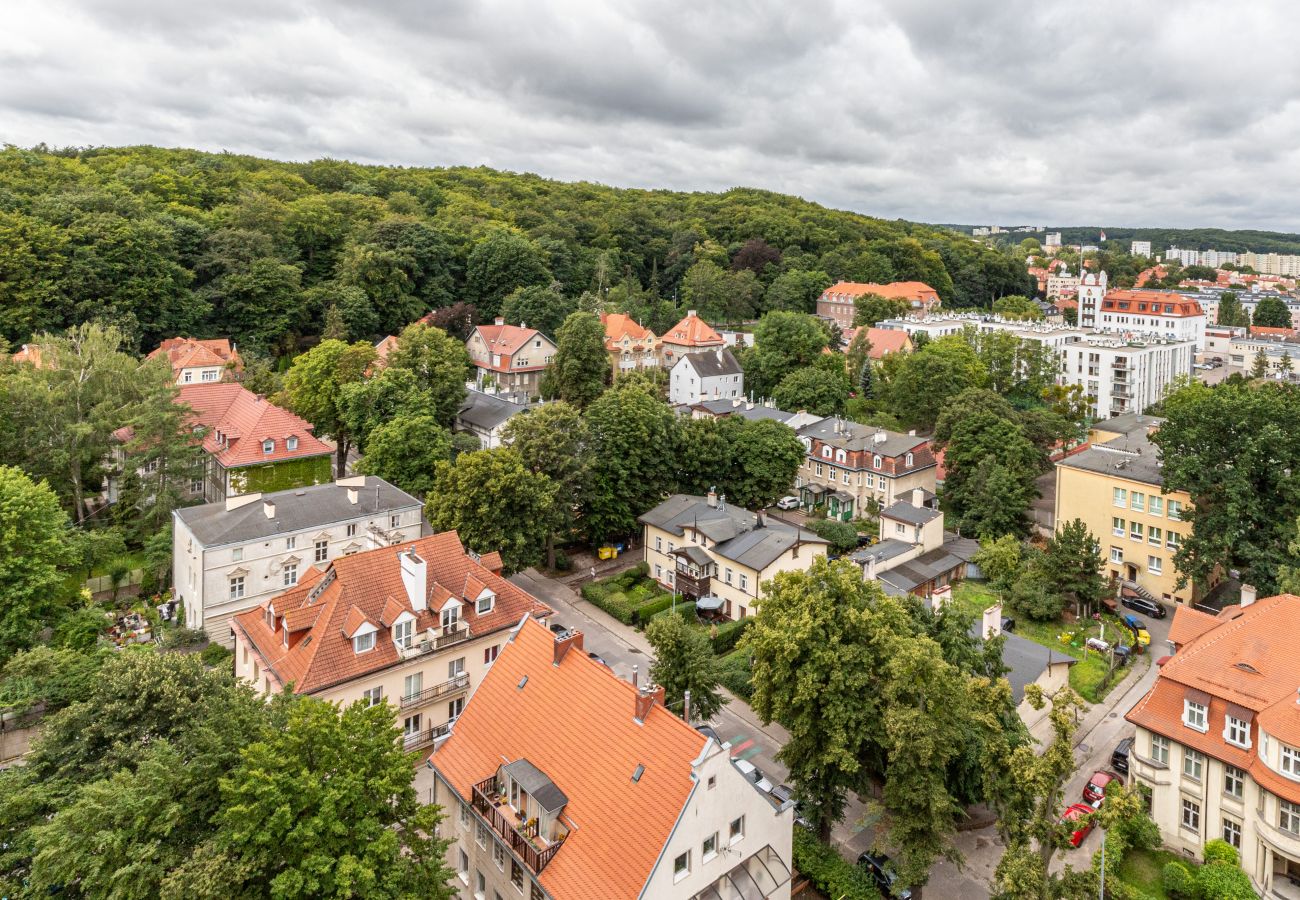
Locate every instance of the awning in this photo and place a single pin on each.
(757, 878)
(695, 554)
(709, 603)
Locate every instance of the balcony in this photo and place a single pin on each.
(437, 638)
(525, 842)
(695, 586)
(446, 688)
(425, 736)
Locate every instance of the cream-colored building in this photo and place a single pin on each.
(852, 469)
(1217, 746)
(1116, 487)
(704, 548)
(415, 625)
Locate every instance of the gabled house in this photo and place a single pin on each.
(853, 469)
(562, 782)
(200, 361)
(631, 346)
(706, 376)
(691, 335)
(416, 625)
(915, 555)
(837, 302)
(511, 357)
(485, 416)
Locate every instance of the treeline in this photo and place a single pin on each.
(163, 242)
(1163, 238)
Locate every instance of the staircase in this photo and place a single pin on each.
(1138, 589)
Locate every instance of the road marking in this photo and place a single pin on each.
(743, 747)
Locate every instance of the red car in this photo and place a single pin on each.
(1079, 812)
(1096, 787)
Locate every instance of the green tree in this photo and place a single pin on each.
(985, 450)
(858, 353)
(491, 499)
(1271, 312)
(440, 364)
(843, 537)
(926, 380)
(1284, 364)
(405, 451)
(499, 264)
(995, 499)
(1259, 368)
(784, 342)
(820, 391)
(33, 544)
(684, 661)
(365, 405)
(260, 302)
(1231, 311)
(31, 265)
(56, 678)
(764, 456)
(553, 440)
(314, 386)
(543, 308)
(796, 290)
(580, 370)
(632, 434)
(1072, 563)
(872, 309)
(1015, 306)
(704, 289)
(1000, 561)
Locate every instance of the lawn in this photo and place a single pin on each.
(1143, 869)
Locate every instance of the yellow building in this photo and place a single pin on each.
(1116, 487)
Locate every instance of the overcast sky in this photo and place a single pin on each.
(1138, 112)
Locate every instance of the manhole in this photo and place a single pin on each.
(1113, 716)
(635, 650)
(1084, 748)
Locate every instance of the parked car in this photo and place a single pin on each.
(709, 731)
(557, 628)
(1078, 815)
(881, 870)
(1119, 758)
(1143, 605)
(754, 774)
(788, 503)
(1095, 790)
(1008, 623)
(1097, 644)
(597, 657)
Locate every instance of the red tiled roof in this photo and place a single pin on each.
(619, 325)
(184, 353)
(896, 290)
(1265, 331)
(1189, 624)
(30, 353)
(575, 721)
(887, 340)
(382, 350)
(361, 589)
(1155, 301)
(507, 340)
(491, 561)
(238, 421)
(692, 331)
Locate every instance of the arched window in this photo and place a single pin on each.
(908, 461)
(826, 452)
(875, 461)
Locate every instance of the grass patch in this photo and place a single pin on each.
(1143, 870)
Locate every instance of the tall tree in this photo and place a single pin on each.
(859, 352)
(684, 661)
(501, 263)
(543, 308)
(1015, 306)
(631, 468)
(871, 309)
(784, 342)
(405, 451)
(926, 380)
(1271, 312)
(314, 386)
(796, 290)
(440, 364)
(553, 440)
(580, 370)
(1231, 311)
(1259, 367)
(1072, 561)
(34, 542)
(820, 391)
(365, 405)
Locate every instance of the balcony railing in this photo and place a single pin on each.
(436, 638)
(426, 736)
(452, 686)
(519, 840)
(691, 585)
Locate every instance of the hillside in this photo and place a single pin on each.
(162, 242)
(1163, 238)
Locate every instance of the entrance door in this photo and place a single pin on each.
(1131, 571)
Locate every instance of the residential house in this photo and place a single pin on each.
(252, 444)
(510, 357)
(703, 548)
(705, 376)
(383, 349)
(747, 409)
(1281, 356)
(1028, 662)
(485, 415)
(837, 302)
(691, 335)
(1217, 748)
(200, 361)
(631, 347)
(914, 554)
(1116, 487)
(417, 625)
(1061, 285)
(231, 556)
(562, 782)
(852, 469)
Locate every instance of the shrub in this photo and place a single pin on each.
(615, 603)
(829, 872)
(184, 637)
(1220, 851)
(1223, 881)
(1177, 879)
(843, 537)
(216, 656)
(643, 612)
(728, 635)
(737, 676)
(562, 561)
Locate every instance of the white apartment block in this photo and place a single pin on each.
(710, 375)
(1124, 376)
(1139, 248)
(1052, 239)
(1143, 313)
(231, 556)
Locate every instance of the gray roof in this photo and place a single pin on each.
(915, 572)
(1132, 456)
(296, 509)
(743, 409)
(854, 436)
(713, 363)
(732, 531)
(914, 515)
(538, 785)
(487, 411)
(885, 550)
(1026, 659)
(1128, 423)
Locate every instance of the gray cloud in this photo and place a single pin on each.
(1156, 113)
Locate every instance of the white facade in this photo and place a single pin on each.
(1052, 239)
(1139, 248)
(1122, 377)
(216, 580)
(1092, 290)
(697, 377)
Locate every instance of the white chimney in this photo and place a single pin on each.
(415, 572)
(880, 437)
(869, 570)
(711, 497)
(690, 314)
(992, 624)
(918, 498)
(352, 496)
(1248, 595)
(268, 507)
(499, 320)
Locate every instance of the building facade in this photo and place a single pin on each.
(1158, 314)
(563, 782)
(200, 361)
(691, 335)
(1121, 376)
(705, 376)
(231, 556)
(852, 469)
(1139, 248)
(914, 554)
(837, 302)
(509, 357)
(631, 346)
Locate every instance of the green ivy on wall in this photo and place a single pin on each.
(281, 476)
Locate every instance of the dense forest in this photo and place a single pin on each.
(1163, 238)
(161, 242)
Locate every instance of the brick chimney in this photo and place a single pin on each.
(563, 643)
(646, 698)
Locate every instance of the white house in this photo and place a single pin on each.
(712, 375)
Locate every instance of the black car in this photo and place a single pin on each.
(1143, 605)
(557, 628)
(709, 731)
(881, 871)
(598, 658)
(1008, 623)
(1119, 759)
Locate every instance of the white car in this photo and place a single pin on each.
(753, 774)
(788, 503)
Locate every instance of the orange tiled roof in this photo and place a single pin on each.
(1156, 301)
(238, 421)
(1265, 331)
(185, 353)
(507, 340)
(692, 331)
(887, 340)
(491, 561)
(896, 290)
(1245, 658)
(383, 349)
(1189, 624)
(361, 589)
(574, 721)
(619, 326)
(30, 353)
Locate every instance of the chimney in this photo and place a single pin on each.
(564, 642)
(690, 314)
(992, 623)
(869, 569)
(352, 496)
(268, 507)
(635, 675)
(758, 520)
(241, 500)
(736, 402)
(712, 497)
(1248, 595)
(646, 699)
(415, 578)
(499, 320)
(918, 498)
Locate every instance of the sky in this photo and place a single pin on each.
(1141, 112)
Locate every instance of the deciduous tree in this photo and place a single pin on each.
(553, 440)
(405, 451)
(684, 661)
(439, 363)
(632, 436)
(314, 386)
(33, 545)
(580, 370)
(818, 390)
(543, 308)
(871, 309)
(1271, 312)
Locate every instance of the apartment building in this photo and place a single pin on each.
(200, 361)
(631, 346)
(837, 302)
(1050, 334)
(510, 357)
(719, 555)
(1120, 376)
(562, 782)
(1217, 747)
(1116, 487)
(486, 415)
(1139, 248)
(1281, 357)
(231, 556)
(1158, 314)
(1061, 285)
(852, 469)
(691, 335)
(416, 625)
(706, 376)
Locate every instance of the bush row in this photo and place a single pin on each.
(728, 635)
(736, 675)
(829, 872)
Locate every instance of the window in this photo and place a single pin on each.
(363, 642)
(237, 587)
(187, 376)
(1137, 501)
(1135, 530)
(322, 549)
(819, 470)
(1235, 731)
(1191, 815)
(454, 709)
(1232, 833)
(712, 782)
(373, 696)
(1193, 763)
(268, 446)
(1233, 779)
(1116, 555)
(744, 581)
(517, 875)
(1160, 749)
(1154, 536)
(464, 807)
(196, 485)
(290, 574)
(480, 884)
(659, 544)
(450, 618)
(484, 604)
(844, 477)
(682, 866)
(875, 461)
(1120, 497)
(237, 554)
(456, 667)
(1155, 505)
(499, 855)
(462, 865)
(490, 654)
(1171, 539)
(826, 452)
(1289, 817)
(1290, 761)
(291, 443)
(1194, 715)
(1117, 526)
(1175, 510)
(412, 685)
(291, 543)
(737, 830)
(402, 633)
(1155, 565)
(394, 520)
(710, 848)
(352, 530)
(659, 572)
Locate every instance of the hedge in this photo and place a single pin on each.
(613, 602)
(728, 635)
(829, 872)
(736, 675)
(645, 611)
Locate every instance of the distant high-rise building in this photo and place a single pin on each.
(1052, 239)
(1140, 248)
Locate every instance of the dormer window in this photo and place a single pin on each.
(450, 617)
(402, 633)
(270, 618)
(1194, 715)
(485, 602)
(291, 443)
(840, 456)
(907, 460)
(363, 642)
(268, 446)
(826, 452)
(875, 461)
